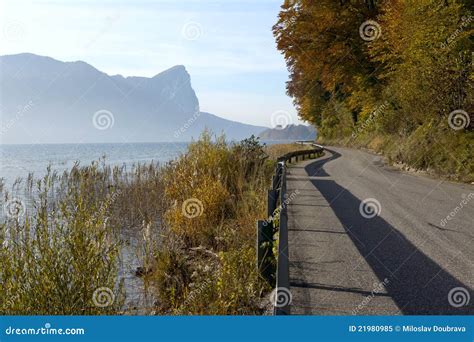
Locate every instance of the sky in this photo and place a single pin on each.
(227, 46)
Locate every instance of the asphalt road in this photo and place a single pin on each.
(394, 255)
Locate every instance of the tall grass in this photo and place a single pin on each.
(438, 150)
(195, 216)
(207, 263)
(54, 259)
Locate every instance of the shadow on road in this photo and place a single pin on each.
(316, 169)
(417, 284)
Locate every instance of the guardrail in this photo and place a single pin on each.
(277, 224)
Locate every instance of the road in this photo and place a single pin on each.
(400, 258)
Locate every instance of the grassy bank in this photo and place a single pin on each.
(438, 150)
(61, 238)
(215, 193)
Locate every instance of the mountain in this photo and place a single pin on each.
(43, 100)
(290, 132)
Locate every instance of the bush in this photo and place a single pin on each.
(197, 216)
(215, 193)
(62, 260)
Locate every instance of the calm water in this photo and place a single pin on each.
(18, 160)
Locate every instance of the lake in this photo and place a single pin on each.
(18, 160)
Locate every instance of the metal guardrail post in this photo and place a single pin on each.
(266, 229)
(265, 250)
(283, 264)
(277, 197)
(260, 240)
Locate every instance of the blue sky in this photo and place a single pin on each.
(226, 45)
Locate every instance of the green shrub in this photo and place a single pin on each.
(63, 259)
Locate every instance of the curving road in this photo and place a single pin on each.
(345, 259)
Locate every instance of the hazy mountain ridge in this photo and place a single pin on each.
(43, 100)
(290, 132)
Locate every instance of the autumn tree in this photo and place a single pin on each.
(389, 71)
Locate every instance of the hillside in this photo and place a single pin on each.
(290, 132)
(365, 80)
(44, 100)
